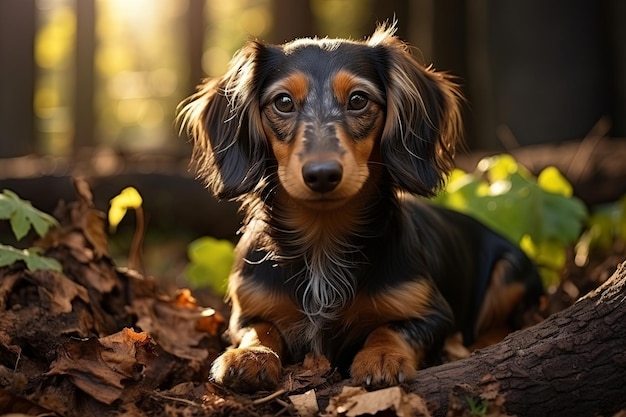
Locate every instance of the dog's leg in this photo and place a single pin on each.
(387, 358)
(393, 353)
(503, 296)
(255, 364)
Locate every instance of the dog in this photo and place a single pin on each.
(331, 146)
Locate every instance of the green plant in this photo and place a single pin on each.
(22, 217)
(477, 406)
(606, 226)
(129, 198)
(210, 263)
(540, 214)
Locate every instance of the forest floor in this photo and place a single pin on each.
(104, 340)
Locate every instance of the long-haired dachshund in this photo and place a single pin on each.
(327, 142)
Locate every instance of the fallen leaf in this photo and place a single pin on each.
(57, 292)
(184, 299)
(465, 398)
(6, 287)
(305, 404)
(95, 234)
(98, 367)
(99, 275)
(353, 402)
(83, 190)
(210, 322)
(178, 330)
(91, 221)
(313, 372)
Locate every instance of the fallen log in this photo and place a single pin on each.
(571, 364)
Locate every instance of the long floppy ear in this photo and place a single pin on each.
(222, 119)
(423, 122)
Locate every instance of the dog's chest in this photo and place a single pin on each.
(322, 294)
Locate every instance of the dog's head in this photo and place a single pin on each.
(321, 115)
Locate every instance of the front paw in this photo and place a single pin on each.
(247, 369)
(381, 366)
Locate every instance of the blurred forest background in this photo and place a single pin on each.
(90, 87)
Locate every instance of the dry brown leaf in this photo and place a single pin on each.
(305, 404)
(314, 371)
(7, 283)
(210, 321)
(353, 402)
(98, 366)
(80, 223)
(178, 330)
(57, 292)
(184, 299)
(485, 396)
(101, 276)
(76, 242)
(91, 223)
(83, 190)
(95, 233)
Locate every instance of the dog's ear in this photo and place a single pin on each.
(223, 120)
(423, 122)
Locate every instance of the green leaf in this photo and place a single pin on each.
(563, 217)
(19, 224)
(9, 255)
(507, 198)
(35, 262)
(605, 225)
(549, 256)
(211, 261)
(22, 215)
(8, 205)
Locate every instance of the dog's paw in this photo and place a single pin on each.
(380, 367)
(247, 369)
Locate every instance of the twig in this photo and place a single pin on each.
(580, 160)
(181, 400)
(17, 361)
(506, 137)
(269, 397)
(135, 259)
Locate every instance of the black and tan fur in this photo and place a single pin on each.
(327, 143)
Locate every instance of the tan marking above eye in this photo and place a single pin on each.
(345, 85)
(296, 85)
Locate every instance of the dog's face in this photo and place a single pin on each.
(323, 112)
(322, 117)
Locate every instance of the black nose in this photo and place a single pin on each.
(322, 177)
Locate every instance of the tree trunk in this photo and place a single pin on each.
(572, 364)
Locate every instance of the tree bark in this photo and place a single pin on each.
(572, 364)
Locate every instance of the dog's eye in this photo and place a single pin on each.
(357, 101)
(284, 103)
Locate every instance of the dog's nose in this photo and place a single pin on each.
(322, 177)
